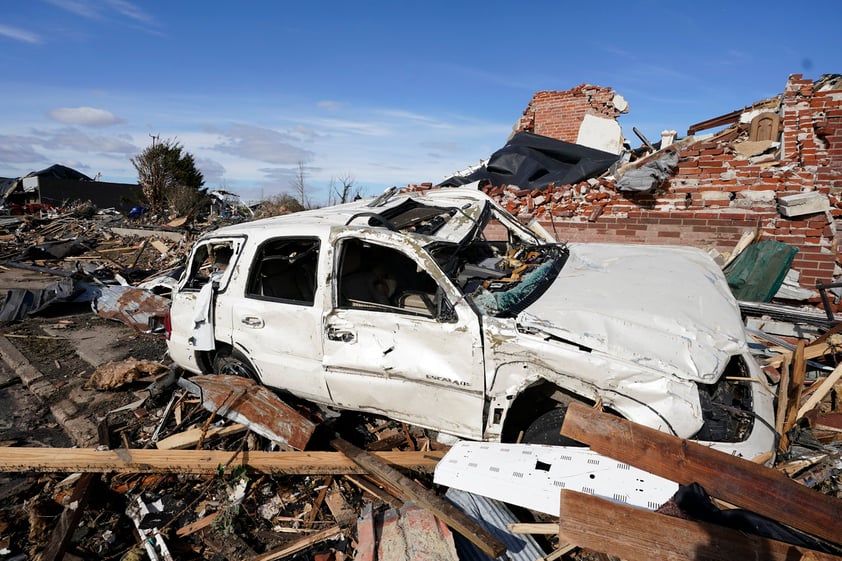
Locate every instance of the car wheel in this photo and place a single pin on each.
(546, 429)
(233, 363)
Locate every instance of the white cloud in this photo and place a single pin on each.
(330, 105)
(342, 126)
(258, 143)
(79, 7)
(16, 149)
(131, 11)
(84, 116)
(415, 117)
(100, 11)
(212, 171)
(74, 139)
(19, 34)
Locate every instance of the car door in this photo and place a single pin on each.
(396, 344)
(277, 322)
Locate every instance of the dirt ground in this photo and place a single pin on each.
(55, 409)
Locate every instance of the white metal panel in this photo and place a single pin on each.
(532, 475)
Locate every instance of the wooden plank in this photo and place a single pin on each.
(190, 437)
(204, 522)
(130, 460)
(300, 545)
(783, 386)
(69, 519)
(820, 392)
(811, 351)
(375, 491)
(639, 535)
(793, 397)
(444, 510)
(532, 528)
(748, 485)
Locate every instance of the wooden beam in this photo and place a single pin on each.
(444, 510)
(726, 119)
(532, 528)
(793, 394)
(190, 437)
(821, 391)
(639, 535)
(69, 519)
(130, 460)
(783, 393)
(300, 545)
(762, 490)
(811, 351)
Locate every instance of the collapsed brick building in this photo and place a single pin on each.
(776, 165)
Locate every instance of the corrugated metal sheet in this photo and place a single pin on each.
(251, 404)
(495, 517)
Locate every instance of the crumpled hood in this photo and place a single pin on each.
(667, 308)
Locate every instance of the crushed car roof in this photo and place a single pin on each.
(362, 214)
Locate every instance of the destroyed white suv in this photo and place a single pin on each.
(440, 309)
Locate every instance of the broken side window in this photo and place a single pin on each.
(379, 278)
(210, 261)
(285, 270)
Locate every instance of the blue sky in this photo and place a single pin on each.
(388, 93)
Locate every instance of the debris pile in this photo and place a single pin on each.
(167, 466)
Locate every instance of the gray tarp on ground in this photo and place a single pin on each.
(650, 175)
(22, 302)
(58, 249)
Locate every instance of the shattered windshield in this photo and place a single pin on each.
(501, 266)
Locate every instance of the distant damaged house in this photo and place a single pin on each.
(58, 185)
(775, 165)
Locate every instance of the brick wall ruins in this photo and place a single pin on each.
(722, 186)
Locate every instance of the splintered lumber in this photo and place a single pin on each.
(197, 525)
(191, 437)
(300, 545)
(743, 483)
(445, 511)
(130, 460)
(638, 535)
(793, 394)
(821, 391)
(532, 528)
(69, 519)
(815, 349)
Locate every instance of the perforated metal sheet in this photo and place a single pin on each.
(531, 475)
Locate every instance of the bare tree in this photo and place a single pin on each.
(299, 185)
(346, 190)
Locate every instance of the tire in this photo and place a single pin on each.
(233, 363)
(546, 429)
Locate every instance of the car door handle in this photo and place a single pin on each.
(339, 334)
(252, 321)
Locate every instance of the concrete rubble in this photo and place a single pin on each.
(130, 459)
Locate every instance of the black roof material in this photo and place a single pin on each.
(532, 161)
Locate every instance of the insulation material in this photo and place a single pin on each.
(650, 175)
(113, 375)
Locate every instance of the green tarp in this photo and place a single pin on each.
(758, 272)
